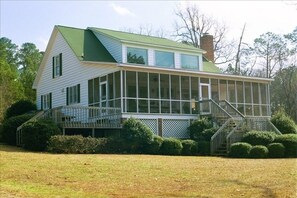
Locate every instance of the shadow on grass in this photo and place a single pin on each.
(8, 148)
(267, 192)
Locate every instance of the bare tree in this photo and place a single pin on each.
(272, 51)
(193, 23)
(237, 60)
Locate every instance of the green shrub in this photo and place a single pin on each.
(116, 145)
(189, 147)
(290, 143)
(259, 137)
(196, 129)
(203, 147)
(35, 134)
(76, 144)
(276, 150)
(240, 150)
(171, 146)
(154, 146)
(10, 126)
(258, 151)
(284, 123)
(19, 108)
(1, 131)
(137, 135)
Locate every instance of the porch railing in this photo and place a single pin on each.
(19, 129)
(230, 109)
(85, 117)
(250, 123)
(78, 117)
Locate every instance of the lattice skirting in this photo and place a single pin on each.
(175, 128)
(152, 124)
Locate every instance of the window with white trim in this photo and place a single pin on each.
(73, 94)
(189, 62)
(46, 101)
(57, 65)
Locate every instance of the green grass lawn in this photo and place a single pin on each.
(27, 174)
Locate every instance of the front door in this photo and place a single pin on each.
(204, 96)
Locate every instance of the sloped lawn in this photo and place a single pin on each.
(27, 174)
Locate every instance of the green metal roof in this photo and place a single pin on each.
(126, 37)
(85, 45)
(210, 67)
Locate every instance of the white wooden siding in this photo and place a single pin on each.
(177, 60)
(200, 63)
(73, 72)
(114, 47)
(151, 56)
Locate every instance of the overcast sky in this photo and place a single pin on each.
(33, 21)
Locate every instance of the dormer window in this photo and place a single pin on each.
(57, 65)
(164, 59)
(189, 62)
(137, 56)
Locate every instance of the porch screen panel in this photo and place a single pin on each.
(117, 80)
(164, 82)
(239, 90)
(110, 86)
(264, 101)
(248, 98)
(175, 89)
(131, 84)
(256, 99)
(194, 95)
(96, 90)
(154, 85)
(231, 91)
(185, 88)
(223, 90)
(214, 90)
(90, 91)
(240, 96)
(142, 85)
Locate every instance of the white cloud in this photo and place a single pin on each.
(121, 10)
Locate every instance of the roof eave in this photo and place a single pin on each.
(209, 74)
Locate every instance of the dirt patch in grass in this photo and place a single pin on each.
(26, 174)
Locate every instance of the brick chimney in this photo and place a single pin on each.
(206, 43)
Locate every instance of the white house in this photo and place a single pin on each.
(92, 78)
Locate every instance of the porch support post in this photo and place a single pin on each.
(63, 131)
(160, 127)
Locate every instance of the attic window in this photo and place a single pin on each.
(57, 65)
(189, 62)
(137, 55)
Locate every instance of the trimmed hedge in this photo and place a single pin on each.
(276, 150)
(137, 135)
(259, 137)
(76, 144)
(154, 146)
(197, 127)
(10, 126)
(240, 150)
(284, 123)
(203, 148)
(19, 108)
(35, 134)
(290, 143)
(190, 147)
(171, 146)
(258, 151)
